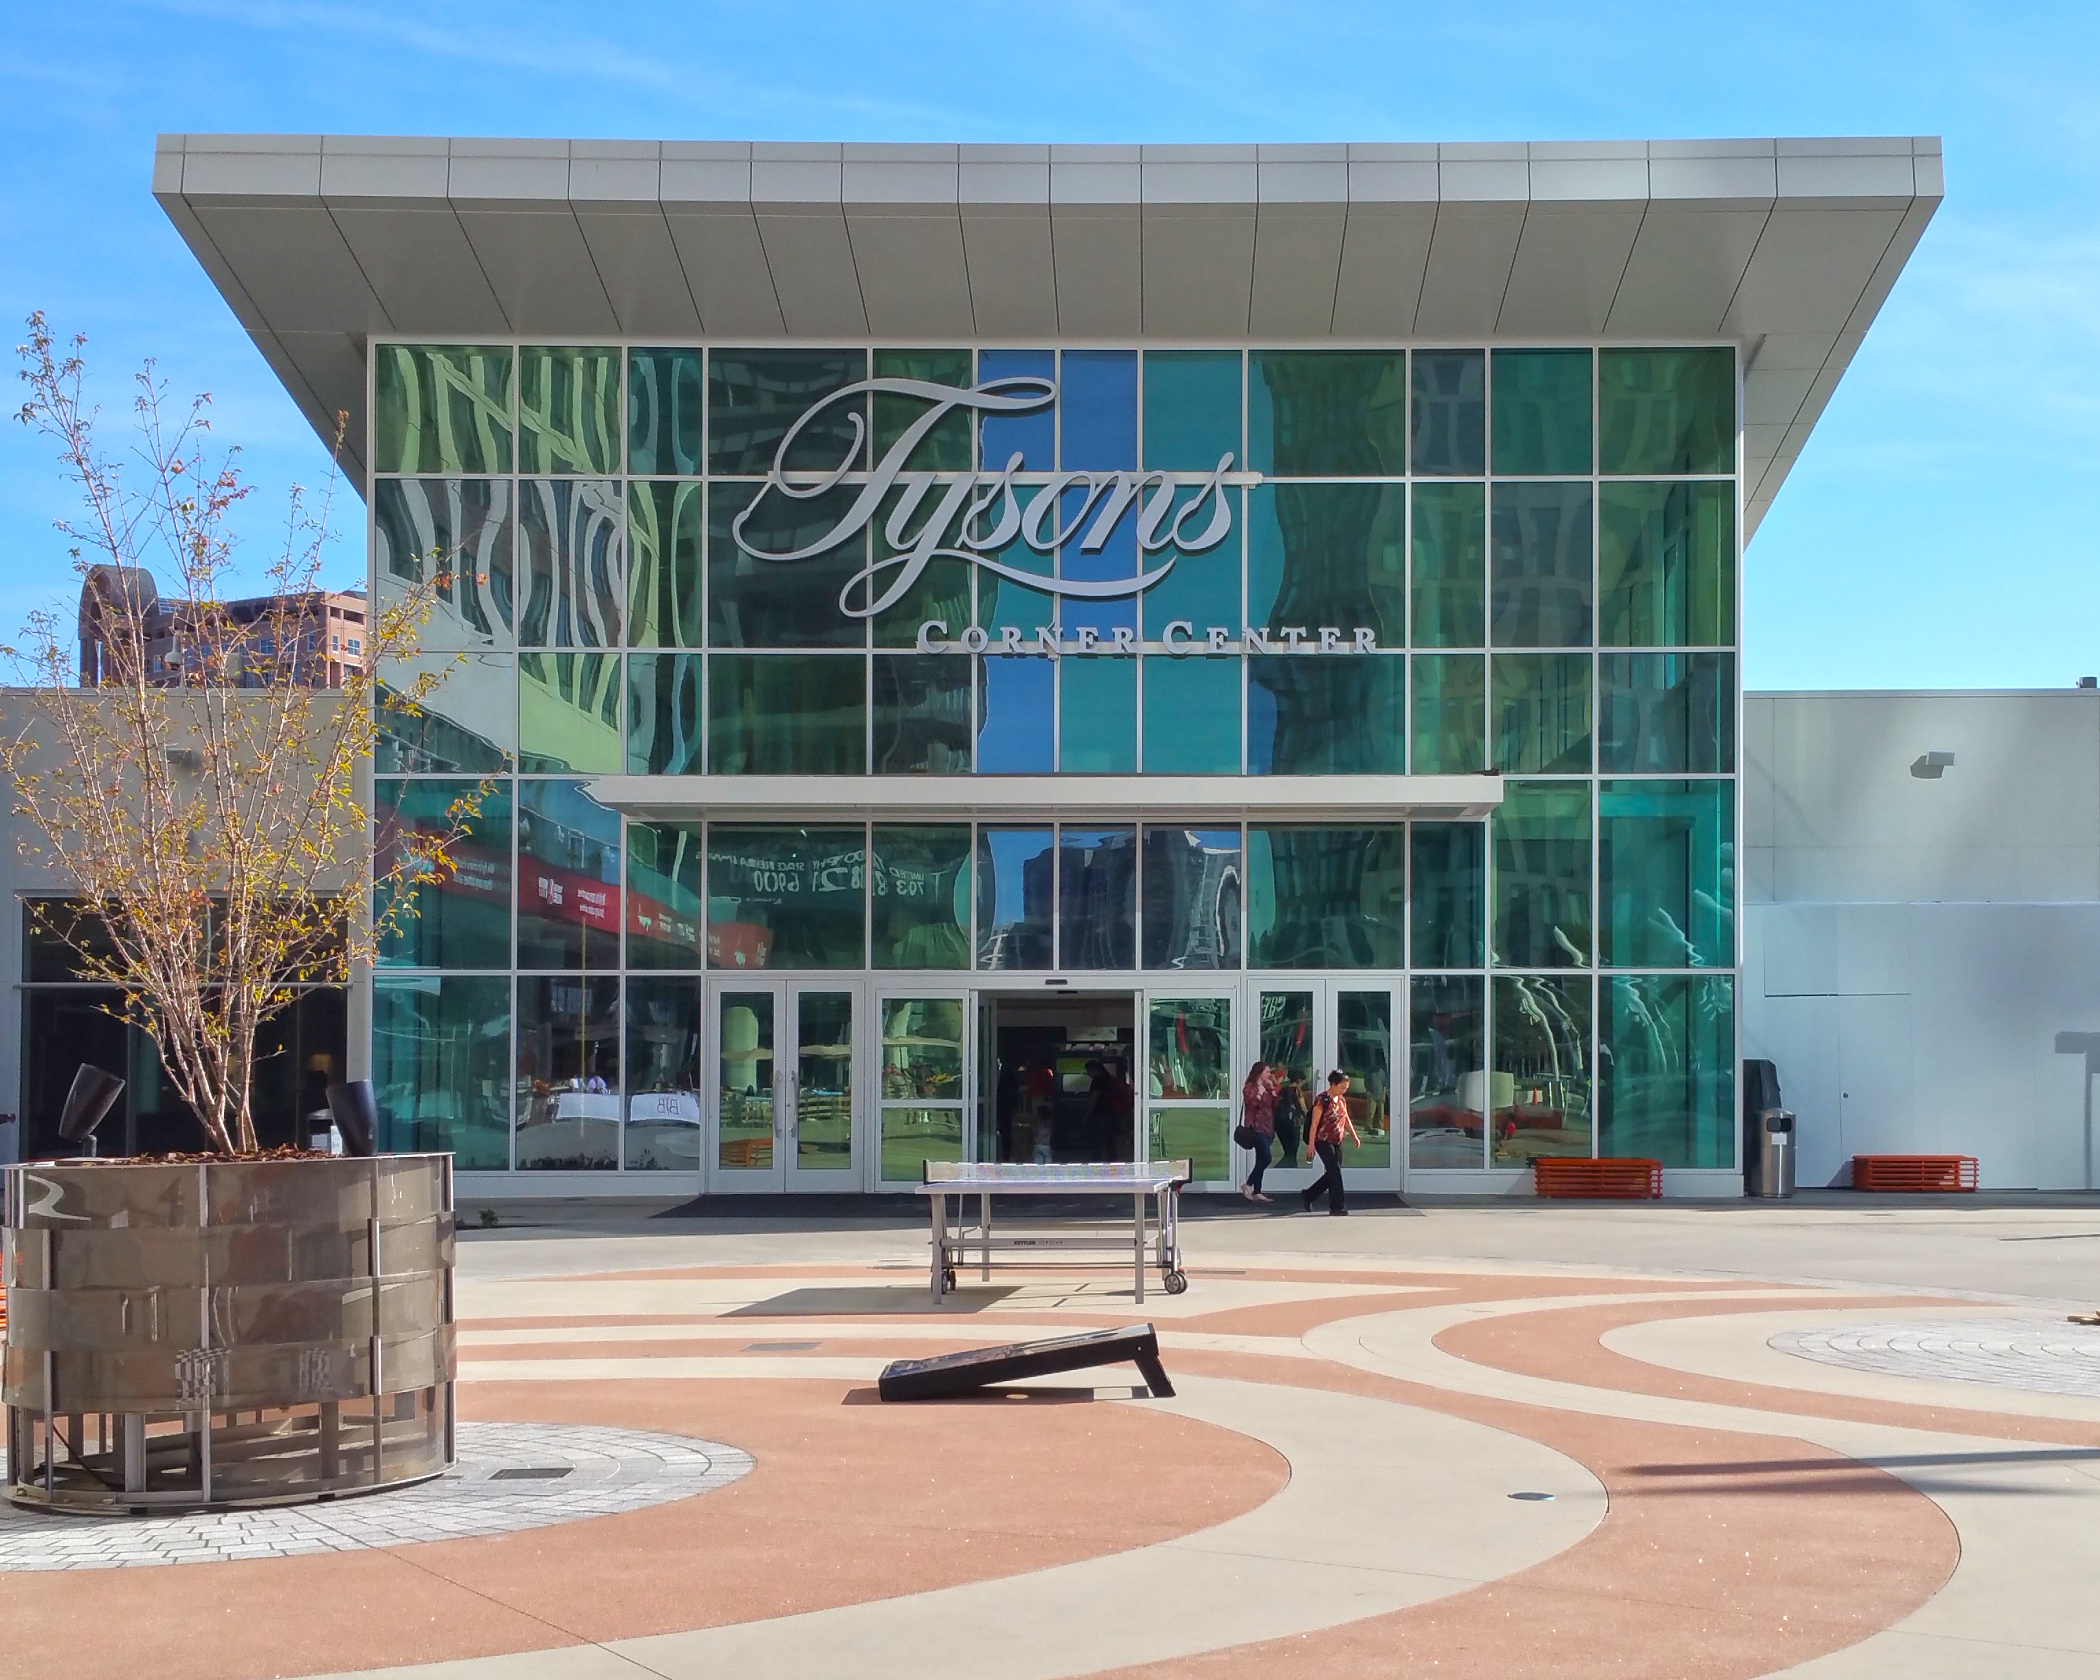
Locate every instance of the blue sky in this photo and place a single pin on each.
(1938, 531)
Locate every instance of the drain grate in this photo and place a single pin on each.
(531, 1473)
(778, 1347)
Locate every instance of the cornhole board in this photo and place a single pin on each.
(959, 1373)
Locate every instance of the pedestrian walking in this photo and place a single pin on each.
(1257, 1129)
(1290, 1117)
(1331, 1122)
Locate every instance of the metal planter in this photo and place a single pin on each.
(226, 1333)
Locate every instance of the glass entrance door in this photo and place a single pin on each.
(1306, 1029)
(922, 1081)
(1189, 1081)
(783, 1089)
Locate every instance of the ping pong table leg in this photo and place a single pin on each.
(937, 1208)
(1138, 1241)
(984, 1227)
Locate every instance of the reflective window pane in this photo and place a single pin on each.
(923, 717)
(1447, 1072)
(441, 1066)
(941, 592)
(1287, 1038)
(664, 522)
(663, 715)
(946, 448)
(1004, 602)
(755, 396)
(1017, 718)
(1327, 413)
(1541, 553)
(1097, 898)
(663, 895)
(1363, 1030)
(568, 1088)
(1329, 555)
(1542, 412)
(1192, 898)
(572, 554)
(1667, 712)
(747, 1073)
(1541, 876)
(1667, 411)
(912, 1136)
(786, 714)
(823, 1081)
(922, 1050)
(1539, 1087)
(664, 389)
(440, 409)
(759, 603)
(1666, 1069)
(569, 712)
(1335, 715)
(568, 410)
(1097, 410)
(460, 917)
(786, 897)
(1448, 896)
(1192, 715)
(1016, 884)
(1666, 873)
(1202, 589)
(568, 878)
(1326, 897)
(1188, 1049)
(1450, 714)
(448, 713)
(1196, 1133)
(664, 1079)
(1666, 565)
(1097, 715)
(1192, 409)
(1114, 561)
(1033, 434)
(459, 534)
(1449, 585)
(1450, 413)
(1542, 713)
(920, 896)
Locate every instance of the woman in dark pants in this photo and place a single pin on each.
(1258, 1115)
(1331, 1122)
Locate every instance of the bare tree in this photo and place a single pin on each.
(199, 785)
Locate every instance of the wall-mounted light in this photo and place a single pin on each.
(1931, 766)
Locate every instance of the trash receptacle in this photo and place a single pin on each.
(1775, 1153)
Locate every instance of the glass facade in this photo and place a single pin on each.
(684, 560)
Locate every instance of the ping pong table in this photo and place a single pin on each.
(946, 1185)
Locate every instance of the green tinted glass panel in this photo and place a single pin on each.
(1666, 712)
(1447, 1084)
(1449, 585)
(1666, 1069)
(913, 1136)
(461, 919)
(1448, 897)
(569, 712)
(441, 1066)
(1097, 715)
(441, 409)
(785, 897)
(1363, 1041)
(568, 410)
(922, 1049)
(1450, 413)
(1199, 1135)
(1542, 412)
(1540, 542)
(663, 715)
(920, 896)
(665, 1030)
(941, 591)
(1287, 1038)
(1450, 714)
(1326, 897)
(1330, 555)
(567, 1113)
(747, 1072)
(572, 563)
(1542, 714)
(923, 720)
(1188, 1052)
(1666, 411)
(1327, 413)
(1192, 409)
(1540, 880)
(946, 448)
(824, 1081)
(664, 522)
(664, 390)
(755, 396)
(459, 535)
(1203, 589)
(447, 712)
(787, 714)
(568, 878)
(1192, 898)
(1192, 715)
(1309, 715)
(756, 602)
(1666, 874)
(1666, 565)
(1539, 1083)
(663, 897)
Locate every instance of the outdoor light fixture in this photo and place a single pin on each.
(1931, 766)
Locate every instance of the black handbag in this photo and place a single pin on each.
(1246, 1137)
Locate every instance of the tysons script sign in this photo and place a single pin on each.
(976, 517)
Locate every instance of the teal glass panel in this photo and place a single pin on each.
(754, 602)
(568, 410)
(441, 1066)
(449, 714)
(572, 563)
(569, 713)
(1192, 409)
(1192, 715)
(756, 396)
(1449, 424)
(1666, 1069)
(1363, 1047)
(568, 1086)
(1326, 897)
(1327, 413)
(1097, 898)
(1540, 541)
(1016, 887)
(664, 736)
(458, 534)
(1542, 412)
(664, 392)
(1539, 1089)
(1032, 433)
(664, 573)
(787, 714)
(1450, 714)
(1666, 411)
(920, 896)
(1672, 713)
(1115, 562)
(1192, 914)
(1542, 714)
(1097, 418)
(457, 917)
(664, 1038)
(1202, 590)
(786, 897)
(1448, 896)
(1666, 565)
(1540, 879)
(923, 719)
(1447, 1072)
(663, 895)
(1097, 715)
(441, 409)
(1002, 602)
(1449, 585)
(1309, 715)
(568, 878)
(1017, 715)
(1329, 556)
(1666, 874)
(947, 447)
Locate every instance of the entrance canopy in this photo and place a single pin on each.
(1786, 247)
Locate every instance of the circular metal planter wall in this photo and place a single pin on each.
(226, 1333)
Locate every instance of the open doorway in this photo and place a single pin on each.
(1058, 1076)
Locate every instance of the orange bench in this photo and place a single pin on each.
(1621, 1178)
(1913, 1172)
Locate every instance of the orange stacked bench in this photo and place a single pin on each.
(1620, 1178)
(1913, 1172)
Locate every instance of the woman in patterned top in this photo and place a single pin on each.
(1258, 1115)
(1331, 1122)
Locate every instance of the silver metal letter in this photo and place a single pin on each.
(1175, 637)
(926, 642)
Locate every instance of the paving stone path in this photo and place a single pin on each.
(600, 1472)
(2049, 1358)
